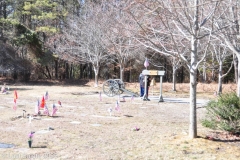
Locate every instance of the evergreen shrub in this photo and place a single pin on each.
(223, 113)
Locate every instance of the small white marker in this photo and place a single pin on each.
(30, 119)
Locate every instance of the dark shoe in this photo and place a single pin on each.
(148, 99)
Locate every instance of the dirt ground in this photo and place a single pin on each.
(84, 129)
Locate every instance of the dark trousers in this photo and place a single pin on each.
(147, 91)
(141, 91)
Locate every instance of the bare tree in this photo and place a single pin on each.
(178, 28)
(120, 42)
(221, 52)
(176, 64)
(83, 37)
(227, 23)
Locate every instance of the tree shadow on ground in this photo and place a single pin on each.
(220, 137)
(57, 116)
(39, 147)
(129, 116)
(84, 93)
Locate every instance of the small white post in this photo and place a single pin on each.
(145, 88)
(30, 119)
(160, 96)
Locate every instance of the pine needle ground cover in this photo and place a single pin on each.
(83, 128)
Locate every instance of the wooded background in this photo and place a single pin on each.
(77, 39)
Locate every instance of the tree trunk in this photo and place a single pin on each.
(235, 62)
(193, 75)
(48, 72)
(238, 79)
(193, 90)
(67, 70)
(130, 73)
(213, 68)
(15, 75)
(204, 74)
(71, 71)
(121, 72)
(115, 70)
(193, 115)
(213, 75)
(174, 79)
(220, 79)
(182, 75)
(90, 75)
(56, 68)
(96, 71)
(81, 71)
(165, 69)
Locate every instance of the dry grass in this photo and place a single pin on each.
(162, 135)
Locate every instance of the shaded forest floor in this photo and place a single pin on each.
(84, 129)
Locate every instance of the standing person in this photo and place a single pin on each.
(148, 85)
(141, 82)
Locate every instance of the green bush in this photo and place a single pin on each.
(223, 113)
